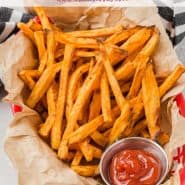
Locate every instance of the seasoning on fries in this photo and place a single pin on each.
(93, 87)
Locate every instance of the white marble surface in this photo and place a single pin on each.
(8, 174)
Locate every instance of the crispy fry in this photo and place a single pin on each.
(77, 158)
(125, 72)
(27, 31)
(51, 101)
(120, 124)
(86, 150)
(141, 60)
(75, 77)
(151, 100)
(43, 62)
(125, 87)
(81, 53)
(105, 99)
(95, 106)
(34, 26)
(99, 138)
(50, 47)
(163, 138)
(144, 133)
(97, 153)
(86, 170)
(102, 32)
(121, 36)
(77, 42)
(42, 84)
(39, 40)
(59, 53)
(56, 132)
(84, 93)
(43, 18)
(137, 40)
(171, 80)
(112, 79)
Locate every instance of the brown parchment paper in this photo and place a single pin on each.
(35, 162)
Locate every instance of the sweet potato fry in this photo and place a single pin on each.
(151, 100)
(75, 77)
(43, 18)
(42, 84)
(137, 40)
(163, 138)
(86, 170)
(51, 101)
(27, 31)
(77, 42)
(171, 80)
(141, 61)
(56, 132)
(86, 150)
(121, 123)
(39, 40)
(111, 78)
(105, 99)
(125, 72)
(99, 138)
(50, 47)
(121, 36)
(77, 158)
(95, 106)
(84, 93)
(102, 32)
(34, 26)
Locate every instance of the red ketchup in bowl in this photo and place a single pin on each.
(134, 167)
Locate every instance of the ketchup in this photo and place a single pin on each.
(134, 167)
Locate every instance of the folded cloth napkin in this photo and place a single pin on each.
(173, 19)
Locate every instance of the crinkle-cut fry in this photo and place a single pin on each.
(85, 170)
(83, 96)
(34, 26)
(27, 31)
(51, 44)
(51, 101)
(95, 106)
(137, 40)
(163, 138)
(40, 42)
(77, 42)
(121, 123)
(43, 84)
(125, 72)
(77, 158)
(141, 61)
(43, 62)
(101, 32)
(111, 77)
(87, 129)
(121, 36)
(81, 53)
(72, 87)
(86, 150)
(56, 132)
(43, 18)
(171, 80)
(105, 99)
(151, 101)
(99, 138)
